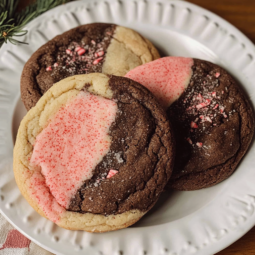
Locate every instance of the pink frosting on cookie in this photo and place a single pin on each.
(72, 144)
(166, 78)
(40, 192)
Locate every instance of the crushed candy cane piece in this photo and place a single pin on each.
(202, 105)
(78, 48)
(221, 109)
(111, 173)
(81, 51)
(68, 51)
(199, 106)
(216, 106)
(208, 119)
(199, 145)
(199, 97)
(189, 140)
(48, 68)
(193, 124)
(96, 61)
(217, 75)
(99, 54)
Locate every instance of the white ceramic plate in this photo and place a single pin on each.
(182, 223)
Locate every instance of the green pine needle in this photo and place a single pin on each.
(13, 22)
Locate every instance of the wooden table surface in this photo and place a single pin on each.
(241, 13)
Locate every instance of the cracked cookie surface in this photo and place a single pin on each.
(213, 120)
(128, 178)
(95, 47)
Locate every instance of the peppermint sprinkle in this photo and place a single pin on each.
(78, 48)
(216, 106)
(99, 54)
(69, 52)
(81, 51)
(96, 61)
(208, 119)
(206, 103)
(111, 173)
(189, 140)
(48, 69)
(199, 106)
(217, 75)
(199, 145)
(55, 65)
(193, 124)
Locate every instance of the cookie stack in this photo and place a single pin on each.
(96, 149)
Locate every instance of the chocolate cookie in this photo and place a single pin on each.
(95, 153)
(85, 49)
(212, 118)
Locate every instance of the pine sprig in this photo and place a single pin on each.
(12, 22)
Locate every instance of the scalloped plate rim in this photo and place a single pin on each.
(186, 4)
